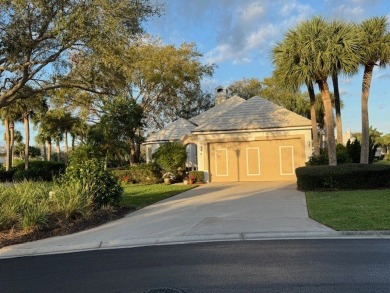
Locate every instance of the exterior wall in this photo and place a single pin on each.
(206, 140)
(150, 149)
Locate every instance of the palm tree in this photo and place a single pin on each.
(9, 115)
(287, 51)
(26, 109)
(375, 51)
(313, 59)
(337, 32)
(79, 129)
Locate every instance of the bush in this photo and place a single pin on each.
(142, 173)
(39, 171)
(346, 176)
(6, 176)
(170, 156)
(322, 159)
(353, 149)
(199, 175)
(98, 183)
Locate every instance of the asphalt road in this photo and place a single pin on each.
(249, 266)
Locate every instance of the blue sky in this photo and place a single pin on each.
(237, 35)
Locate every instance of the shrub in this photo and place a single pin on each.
(199, 175)
(353, 149)
(170, 156)
(142, 173)
(39, 171)
(346, 176)
(6, 176)
(24, 205)
(322, 158)
(95, 181)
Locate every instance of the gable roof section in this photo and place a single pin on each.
(217, 110)
(173, 131)
(255, 113)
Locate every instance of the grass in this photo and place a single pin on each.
(383, 162)
(357, 210)
(139, 196)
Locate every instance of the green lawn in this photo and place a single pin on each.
(383, 162)
(139, 196)
(351, 210)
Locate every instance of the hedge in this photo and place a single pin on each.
(198, 174)
(6, 176)
(346, 177)
(143, 173)
(39, 171)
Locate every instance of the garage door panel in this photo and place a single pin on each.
(286, 160)
(221, 162)
(252, 161)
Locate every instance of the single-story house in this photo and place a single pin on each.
(241, 140)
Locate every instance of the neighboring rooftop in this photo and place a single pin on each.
(217, 110)
(255, 113)
(173, 131)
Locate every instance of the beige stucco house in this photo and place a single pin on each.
(241, 140)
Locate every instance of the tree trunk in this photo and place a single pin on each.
(58, 150)
(337, 105)
(73, 141)
(132, 155)
(26, 123)
(45, 151)
(66, 142)
(8, 161)
(49, 149)
(313, 118)
(329, 124)
(66, 147)
(12, 141)
(365, 150)
(138, 146)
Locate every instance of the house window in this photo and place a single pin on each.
(192, 157)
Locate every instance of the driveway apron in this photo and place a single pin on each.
(224, 209)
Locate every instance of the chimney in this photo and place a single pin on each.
(221, 95)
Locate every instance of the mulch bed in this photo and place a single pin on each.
(97, 218)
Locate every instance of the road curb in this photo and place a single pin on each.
(14, 251)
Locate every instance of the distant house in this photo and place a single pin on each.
(241, 140)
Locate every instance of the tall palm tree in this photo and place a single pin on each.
(337, 32)
(313, 60)
(287, 51)
(9, 115)
(375, 37)
(26, 109)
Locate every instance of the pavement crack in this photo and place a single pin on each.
(100, 244)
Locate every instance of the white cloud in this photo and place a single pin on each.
(253, 27)
(258, 38)
(295, 7)
(252, 12)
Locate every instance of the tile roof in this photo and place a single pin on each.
(217, 110)
(255, 113)
(173, 131)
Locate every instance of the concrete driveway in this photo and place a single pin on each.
(211, 212)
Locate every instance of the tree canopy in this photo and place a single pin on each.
(41, 40)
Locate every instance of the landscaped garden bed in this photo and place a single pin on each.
(30, 211)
